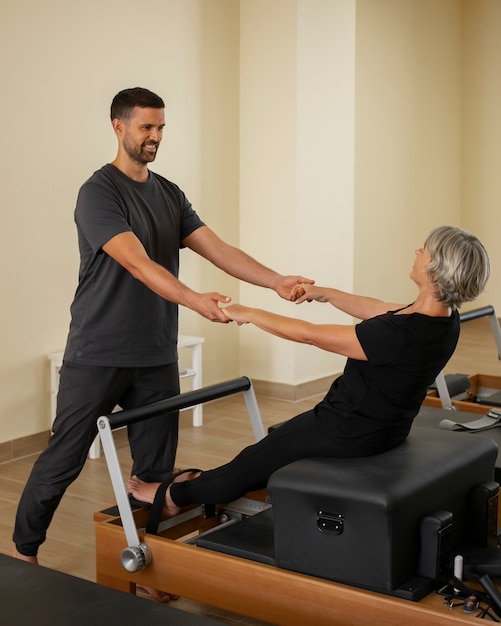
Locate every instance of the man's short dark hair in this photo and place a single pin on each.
(125, 101)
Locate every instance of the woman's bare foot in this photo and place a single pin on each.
(17, 555)
(145, 492)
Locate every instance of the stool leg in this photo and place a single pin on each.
(95, 449)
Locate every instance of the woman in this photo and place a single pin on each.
(394, 354)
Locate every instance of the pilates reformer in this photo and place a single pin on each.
(127, 556)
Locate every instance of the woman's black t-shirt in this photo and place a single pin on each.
(370, 408)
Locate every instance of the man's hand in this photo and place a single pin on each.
(285, 288)
(207, 305)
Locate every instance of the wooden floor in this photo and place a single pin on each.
(70, 546)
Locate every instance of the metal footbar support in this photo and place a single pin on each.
(137, 555)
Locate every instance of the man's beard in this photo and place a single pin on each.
(139, 154)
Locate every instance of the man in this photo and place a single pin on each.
(121, 347)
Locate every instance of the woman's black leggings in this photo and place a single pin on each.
(299, 438)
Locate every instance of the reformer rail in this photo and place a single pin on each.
(138, 555)
(468, 316)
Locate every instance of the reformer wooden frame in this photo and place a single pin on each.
(248, 588)
(232, 583)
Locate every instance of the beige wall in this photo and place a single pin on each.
(428, 134)
(60, 69)
(481, 131)
(408, 136)
(296, 176)
(324, 136)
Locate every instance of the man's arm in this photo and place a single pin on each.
(126, 249)
(237, 263)
(361, 307)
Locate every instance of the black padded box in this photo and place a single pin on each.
(358, 521)
(390, 523)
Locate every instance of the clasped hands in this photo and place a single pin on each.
(302, 292)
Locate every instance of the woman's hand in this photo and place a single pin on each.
(286, 285)
(307, 293)
(238, 313)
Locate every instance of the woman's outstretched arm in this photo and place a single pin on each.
(331, 337)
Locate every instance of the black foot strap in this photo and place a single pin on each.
(159, 501)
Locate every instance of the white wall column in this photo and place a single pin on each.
(297, 166)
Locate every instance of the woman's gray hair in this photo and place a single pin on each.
(459, 265)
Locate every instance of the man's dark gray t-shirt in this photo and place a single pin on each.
(115, 319)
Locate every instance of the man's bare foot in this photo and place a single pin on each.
(22, 557)
(158, 596)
